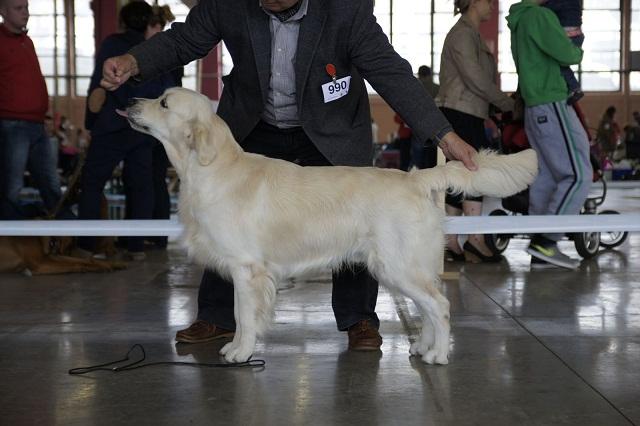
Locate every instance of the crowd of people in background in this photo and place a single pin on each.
(113, 140)
(50, 146)
(546, 39)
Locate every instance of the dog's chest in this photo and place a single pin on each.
(205, 219)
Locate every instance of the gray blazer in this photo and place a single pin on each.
(341, 32)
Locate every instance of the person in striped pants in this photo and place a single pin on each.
(540, 47)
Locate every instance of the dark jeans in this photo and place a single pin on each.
(567, 72)
(161, 198)
(105, 152)
(423, 157)
(25, 145)
(471, 129)
(354, 290)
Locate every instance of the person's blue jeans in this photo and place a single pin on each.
(25, 145)
(355, 291)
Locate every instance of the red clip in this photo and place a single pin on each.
(331, 70)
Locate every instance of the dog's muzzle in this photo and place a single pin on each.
(132, 113)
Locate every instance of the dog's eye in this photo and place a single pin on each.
(163, 103)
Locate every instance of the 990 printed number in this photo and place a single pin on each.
(337, 87)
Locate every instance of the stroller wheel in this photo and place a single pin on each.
(587, 243)
(612, 239)
(497, 243)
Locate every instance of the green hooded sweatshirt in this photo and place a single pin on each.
(540, 47)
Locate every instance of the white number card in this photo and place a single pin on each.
(336, 90)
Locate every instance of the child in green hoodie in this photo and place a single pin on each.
(540, 47)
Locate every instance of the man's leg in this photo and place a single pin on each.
(215, 318)
(161, 197)
(104, 153)
(15, 143)
(355, 291)
(139, 183)
(42, 165)
(215, 300)
(572, 188)
(563, 150)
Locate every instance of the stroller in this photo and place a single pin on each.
(587, 244)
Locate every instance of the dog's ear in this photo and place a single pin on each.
(199, 139)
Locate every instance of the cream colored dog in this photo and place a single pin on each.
(259, 220)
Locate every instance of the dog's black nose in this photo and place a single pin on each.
(132, 102)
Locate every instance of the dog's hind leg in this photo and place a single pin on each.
(254, 297)
(419, 286)
(433, 344)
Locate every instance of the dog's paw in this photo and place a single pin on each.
(418, 348)
(226, 348)
(435, 357)
(238, 354)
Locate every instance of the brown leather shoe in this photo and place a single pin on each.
(201, 331)
(363, 336)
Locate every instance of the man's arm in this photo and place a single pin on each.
(167, 50)
(392, 77)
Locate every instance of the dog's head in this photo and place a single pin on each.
(183, 121)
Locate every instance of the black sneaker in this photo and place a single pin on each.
(540, 264)
(550, 253)
(575, 97)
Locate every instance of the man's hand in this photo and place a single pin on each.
(117, 70)
(455, 148)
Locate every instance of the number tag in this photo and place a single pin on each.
(336, 90)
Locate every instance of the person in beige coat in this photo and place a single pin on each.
(467, 90)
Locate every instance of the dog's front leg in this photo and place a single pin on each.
(244, 310)
(233, 345)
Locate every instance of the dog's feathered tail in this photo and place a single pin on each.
(497, 175)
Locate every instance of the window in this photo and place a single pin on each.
(180, 11)
(48, 30)
(85, 46)
(411, 31)
(634, 77)
(506, 66)
(416, 29)
(600, 67)
(67, 68)
(443, 20)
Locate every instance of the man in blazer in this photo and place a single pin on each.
(296, 92)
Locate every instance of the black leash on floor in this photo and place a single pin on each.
(134, 365)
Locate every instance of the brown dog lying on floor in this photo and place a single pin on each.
(51, 255)
(46, 255)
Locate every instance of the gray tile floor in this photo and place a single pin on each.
(527, 348)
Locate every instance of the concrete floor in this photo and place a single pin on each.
(527, 348)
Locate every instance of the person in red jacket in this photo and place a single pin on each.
(23, 104)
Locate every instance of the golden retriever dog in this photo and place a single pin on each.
(258, 220)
